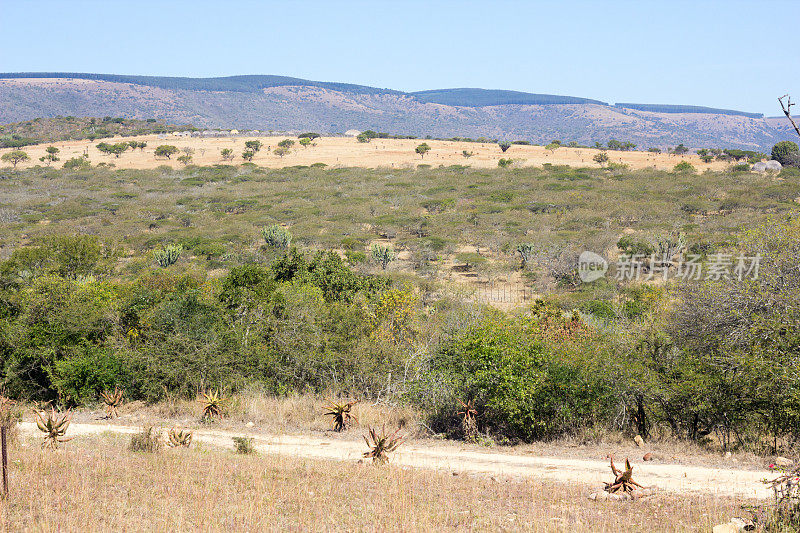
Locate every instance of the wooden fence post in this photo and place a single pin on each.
(4, 459)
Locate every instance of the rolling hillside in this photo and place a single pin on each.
(291, 104)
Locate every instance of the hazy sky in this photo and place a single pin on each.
(730, 54)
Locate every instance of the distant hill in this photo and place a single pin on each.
(667, 108)
(283, 103)
(43, 130)
(484, 97)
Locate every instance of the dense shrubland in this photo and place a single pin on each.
(167, 284)
(714, 359)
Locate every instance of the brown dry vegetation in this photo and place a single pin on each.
(98, 485)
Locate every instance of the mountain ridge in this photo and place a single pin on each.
(283, 103)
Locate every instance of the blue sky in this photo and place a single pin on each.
(730, 54)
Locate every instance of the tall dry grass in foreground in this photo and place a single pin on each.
(98, 485)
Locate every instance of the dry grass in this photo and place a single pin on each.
(304, 414)
(272, 414)
(97, 485)
(347, 151)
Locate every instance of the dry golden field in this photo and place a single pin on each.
(348, 152)
(97, 484)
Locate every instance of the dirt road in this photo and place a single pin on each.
(451, 457)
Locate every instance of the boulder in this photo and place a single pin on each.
(774, 165)
(638, 440)
(783, 461)
(760, 167)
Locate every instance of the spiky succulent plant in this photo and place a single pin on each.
(54, 425)
(381, 444)
(112, 399)
(179, 437)
(213, 403)
(341, 413)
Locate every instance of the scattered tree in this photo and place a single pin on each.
(680, 150)
(281, 151)
(185, 159)
(248, 155)
(51, 156)
(422, 149)
(253, 146)
(467, 154)
(286, 143)
(504, 145)
(362, 138)
(304, 142)
(14, 157)
(310, 136)
(784, 152)
(600, 158)
(227, 154)
(166, 150)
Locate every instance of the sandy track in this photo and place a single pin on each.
(449, 457)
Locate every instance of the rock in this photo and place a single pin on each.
(760, 167)
(647, 457)
(743, 524)
(728, 455)
(249, 424)
(774, 165)
(783, 461)
(725, 528)
(638, 440)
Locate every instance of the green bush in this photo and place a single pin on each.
(81, 377)
(529, 377)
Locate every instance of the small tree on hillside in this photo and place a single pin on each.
(247, 155)
(14, 157)
(305, 142)
(362, 138)
(118, 149)
(253, 146)
(286, 143)
(422, 149)
(51, 156)
(504, 145)
(142, 146)
(784, 152)
(680, 150)
(166, 150)
(553, 146)
(281, 151)
(600, 158)
(185, 159)
(227, 154)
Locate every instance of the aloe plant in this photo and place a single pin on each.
(381, 444)
(342, 417)
(213, 403)
(179, 438)
(112, 399)
(54, 425)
